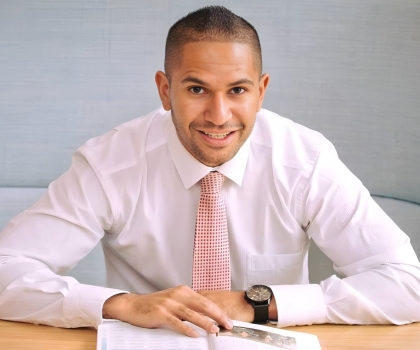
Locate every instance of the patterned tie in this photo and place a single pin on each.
(211, 268)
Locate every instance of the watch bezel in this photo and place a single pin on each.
(268, 299)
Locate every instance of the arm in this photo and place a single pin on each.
(49, 239)
(381, 272)
(57, 232)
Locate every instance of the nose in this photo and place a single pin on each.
(218, 110)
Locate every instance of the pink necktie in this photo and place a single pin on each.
(211, 266)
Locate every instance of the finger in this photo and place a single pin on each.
(199, 320)
(205, 306)
(181, 327)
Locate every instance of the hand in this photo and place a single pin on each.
(168, 307)
(235, 306)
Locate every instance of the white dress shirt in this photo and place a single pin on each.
(136, 189)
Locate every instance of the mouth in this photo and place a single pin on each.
(216, 136)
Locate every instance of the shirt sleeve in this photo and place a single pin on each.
(381, 272)
(47, 240)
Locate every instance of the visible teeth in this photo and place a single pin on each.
(217, 136)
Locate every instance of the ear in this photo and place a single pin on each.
(162, 84)
(264, 80)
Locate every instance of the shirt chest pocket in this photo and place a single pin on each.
(278, 269)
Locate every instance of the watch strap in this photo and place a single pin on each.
(260, 312)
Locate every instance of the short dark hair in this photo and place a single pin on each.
(210, 23)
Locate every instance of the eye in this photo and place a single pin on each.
(197, 90)
(238, 90)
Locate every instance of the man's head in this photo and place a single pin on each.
(213, 84)
(211, 23)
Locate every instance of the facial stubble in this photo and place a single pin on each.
(219, 155)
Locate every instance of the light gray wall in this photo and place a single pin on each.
(71, 70)
(348, 68)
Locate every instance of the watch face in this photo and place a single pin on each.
(259, 293)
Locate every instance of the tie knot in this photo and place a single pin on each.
(212, 183)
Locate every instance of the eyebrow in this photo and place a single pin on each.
(193, 80)
(201, 82)
(242, 81)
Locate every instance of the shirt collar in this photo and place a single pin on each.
(191, 170)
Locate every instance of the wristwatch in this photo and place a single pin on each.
(259, 297)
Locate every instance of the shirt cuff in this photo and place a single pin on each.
(83, 304)
(301, 304)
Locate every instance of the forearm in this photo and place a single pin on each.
(272, 309)
(298, 305)
(30, 292)
(383, 294)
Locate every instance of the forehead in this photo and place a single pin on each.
(216, 58)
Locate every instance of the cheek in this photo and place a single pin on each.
(247, 106)
(246, 114)
(184, 116)
(188, 112)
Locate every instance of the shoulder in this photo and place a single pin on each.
(293, 145)
(125, 145)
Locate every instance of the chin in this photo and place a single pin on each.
(213, 161)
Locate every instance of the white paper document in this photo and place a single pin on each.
(115, 335)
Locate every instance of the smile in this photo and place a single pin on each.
(217, 136)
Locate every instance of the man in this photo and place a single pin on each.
(137, 188)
